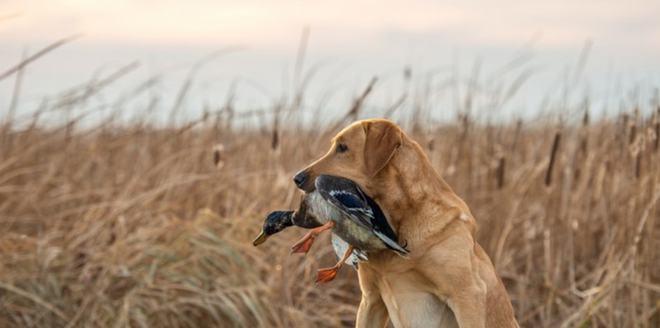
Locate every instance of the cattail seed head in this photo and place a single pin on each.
(218, 160)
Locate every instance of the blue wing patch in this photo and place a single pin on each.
(347, 199)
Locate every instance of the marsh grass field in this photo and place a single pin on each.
(134, 224)
(137, 226)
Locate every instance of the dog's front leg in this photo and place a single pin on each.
(467, 301)
(469, 307)
(453, 270)
(372, 311)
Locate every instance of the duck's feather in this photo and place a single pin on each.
(347, 196)
(302, 219)
(340, 247)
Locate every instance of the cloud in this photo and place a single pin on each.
(273, 22)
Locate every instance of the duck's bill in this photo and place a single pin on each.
(260, 239)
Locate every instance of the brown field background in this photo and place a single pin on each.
(127, 224)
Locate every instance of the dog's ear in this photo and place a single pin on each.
(382, 140)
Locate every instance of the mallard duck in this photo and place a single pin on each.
(340, 204)
(337, 204)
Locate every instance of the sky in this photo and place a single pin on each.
(438, 43)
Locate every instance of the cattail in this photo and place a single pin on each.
(275, 136)
(464, 119)
(633, 133)
(431, 144)
(275, 139)
(623, 126)
(500, 172)
(585, 118)
(657, 129)
(217, 155)
(553, 155)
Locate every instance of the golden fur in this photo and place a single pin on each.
(447, 280)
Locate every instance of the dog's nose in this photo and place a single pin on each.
(300, 178)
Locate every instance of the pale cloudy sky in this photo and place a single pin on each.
(349, 40)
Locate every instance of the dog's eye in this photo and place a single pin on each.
(341, 148)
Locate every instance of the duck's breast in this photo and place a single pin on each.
(320, 209)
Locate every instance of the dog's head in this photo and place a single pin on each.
(360, 152)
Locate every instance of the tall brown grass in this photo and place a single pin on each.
(128, 224)
(136, 226)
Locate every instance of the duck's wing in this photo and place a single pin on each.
(383, 230)
(344, 195)
(347, 196)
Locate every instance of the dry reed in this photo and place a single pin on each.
(131, 225)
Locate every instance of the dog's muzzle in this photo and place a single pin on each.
(300, 178)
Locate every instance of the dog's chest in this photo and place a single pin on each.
(409, 303)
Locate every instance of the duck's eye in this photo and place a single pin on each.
(342, 148)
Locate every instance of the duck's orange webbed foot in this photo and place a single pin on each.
(304, 244)
(329, 274)
(326, 275)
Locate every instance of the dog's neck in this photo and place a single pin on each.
(412, 190)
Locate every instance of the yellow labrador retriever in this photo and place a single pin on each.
(447, 280)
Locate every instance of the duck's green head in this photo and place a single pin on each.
(274, 223)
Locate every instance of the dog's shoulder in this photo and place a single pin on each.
(433, 227)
